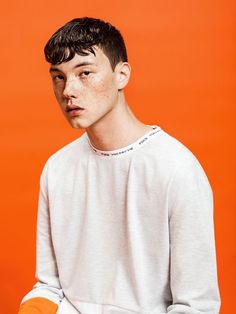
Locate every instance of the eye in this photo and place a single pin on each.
(85, 74)
(58, 77)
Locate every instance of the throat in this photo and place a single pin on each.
(116, 139)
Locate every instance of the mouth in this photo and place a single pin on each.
(73, 110)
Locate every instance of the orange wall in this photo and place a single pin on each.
(183, 78)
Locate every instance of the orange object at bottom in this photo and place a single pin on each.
(38, 306)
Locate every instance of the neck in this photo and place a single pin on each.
(119, 128)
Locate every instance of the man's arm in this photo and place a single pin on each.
(47, 294)
(193, 273)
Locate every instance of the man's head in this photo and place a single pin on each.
(89, 71)
(80, 36)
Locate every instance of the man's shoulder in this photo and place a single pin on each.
(170, 157)
(170, 149)
(69, 151)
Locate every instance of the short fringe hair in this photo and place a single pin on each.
(80, 35)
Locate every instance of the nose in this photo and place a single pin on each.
(71, 89)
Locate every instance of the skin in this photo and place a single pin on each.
(90, 83)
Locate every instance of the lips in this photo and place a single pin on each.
(73, 107)
(73, 110)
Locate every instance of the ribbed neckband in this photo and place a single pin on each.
(127, 149)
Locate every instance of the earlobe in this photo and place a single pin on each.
(123, 74)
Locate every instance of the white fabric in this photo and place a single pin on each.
(66, 308)
(127, 231)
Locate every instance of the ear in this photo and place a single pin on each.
(122, 72)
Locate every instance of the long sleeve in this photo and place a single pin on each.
(48, 285)
(193, 274)
(132, 233)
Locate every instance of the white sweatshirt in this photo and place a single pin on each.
(127, 231)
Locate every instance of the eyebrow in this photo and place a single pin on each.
(55, 69)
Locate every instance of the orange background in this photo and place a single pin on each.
(182, 55)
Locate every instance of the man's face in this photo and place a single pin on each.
(86, 88)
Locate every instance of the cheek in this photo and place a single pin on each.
(104, 88)
(58, 93)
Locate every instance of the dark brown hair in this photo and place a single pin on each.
(80, 36)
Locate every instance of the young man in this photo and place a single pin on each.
(125, 218)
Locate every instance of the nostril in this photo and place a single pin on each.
(69, 96)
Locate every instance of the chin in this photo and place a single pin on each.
(78, 124)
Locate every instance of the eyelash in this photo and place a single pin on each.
(59, 77)
(83, 74)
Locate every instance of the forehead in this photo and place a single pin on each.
(98, 59)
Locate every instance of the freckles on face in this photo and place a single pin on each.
(99, 88)
(88, 82)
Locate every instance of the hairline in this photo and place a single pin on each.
(90, 50)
